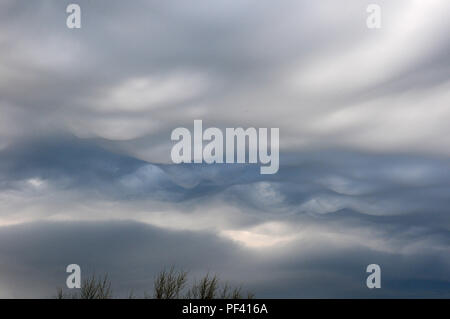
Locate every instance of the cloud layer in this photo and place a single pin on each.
(135, 72)
(86, 117)
(315, 225)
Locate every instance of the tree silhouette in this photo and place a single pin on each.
(168, 284)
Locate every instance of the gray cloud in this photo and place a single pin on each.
(85, 144)
(309, 231)
(308, 68)
(35, 256)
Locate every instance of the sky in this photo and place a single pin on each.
(86, 175)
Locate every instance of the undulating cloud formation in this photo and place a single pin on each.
(86, 116)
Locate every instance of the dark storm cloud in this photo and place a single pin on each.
(374, 191)
(41, 251)
(394, 208)
(83, 163)
(339, 179)
(35, 256)
(73, 163)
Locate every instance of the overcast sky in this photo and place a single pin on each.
(85, 122)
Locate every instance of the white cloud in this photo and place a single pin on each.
(150, 92)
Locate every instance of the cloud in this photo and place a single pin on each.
(35, 256)
(315, 72)
(315, 225)
(363, 117)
